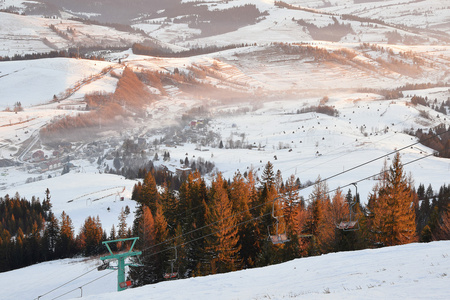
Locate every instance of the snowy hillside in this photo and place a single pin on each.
(414, 271)
(237, 108)
(419, 21)
(21, 35)
(46, 78)
(306, 145)
(251, 95)
(102, 195)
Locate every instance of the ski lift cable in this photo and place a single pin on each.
(89, 282)
(258, 217)
(379, 173)
(60, 286)
(375, 159)
(249, 220)
(368, 177)
(317, 182)
(382, 156)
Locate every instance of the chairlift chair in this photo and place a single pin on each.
(172, 274)
(277, 238)
(103, 266)
(350, 225)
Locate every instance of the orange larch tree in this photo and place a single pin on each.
(392, 207)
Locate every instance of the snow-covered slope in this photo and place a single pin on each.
(48, 77)
(415, 20)
(30, 34)
(309, 145)
(414, 271)
(81, 193)
(420, 14)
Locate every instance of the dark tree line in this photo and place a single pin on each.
(321, 109)
(332, 32)
(50, 54)
(80, 52)
(437, 138)
(30, 233)
(156, 50)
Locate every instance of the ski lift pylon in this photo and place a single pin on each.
(120, 257)
(277, 238)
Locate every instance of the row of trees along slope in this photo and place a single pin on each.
(103, 109)
(224, 227)
(30, 233)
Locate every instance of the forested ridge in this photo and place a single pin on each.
(225, 226)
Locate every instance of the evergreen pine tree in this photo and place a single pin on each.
(161, 235)
(319, 223)
(443, 230)
(46, 205)
(51, 237)
(170, 208)
(240, 197)
(66, 238)
(122, 227)
(291, 201)
(90, 237)
(222, 243)
(146, 232)
(268, 176)
(394, 216)
(149, 193)
(192, 211)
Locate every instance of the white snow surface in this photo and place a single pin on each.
(279, 25)
(82, 194)
(44, 78)
(413, 271)
(32, 34)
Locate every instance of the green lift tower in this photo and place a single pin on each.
(121, 283)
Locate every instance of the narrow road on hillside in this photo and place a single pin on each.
(33, 140)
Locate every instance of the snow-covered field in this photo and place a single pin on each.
(414, 271)
(305, 145)
(81, 193)
(45, 78)
(279, 25)
(32, 34)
